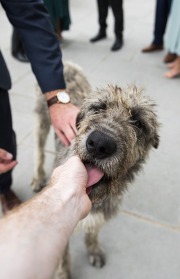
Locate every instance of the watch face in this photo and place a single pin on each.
(63, 97)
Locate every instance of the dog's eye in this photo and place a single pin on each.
(98, 106)
(135, 120)
(137, 124)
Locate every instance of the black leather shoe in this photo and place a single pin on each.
(100, 36)
(117, 44)
(21, 56)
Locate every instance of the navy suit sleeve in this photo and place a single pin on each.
(32, 21)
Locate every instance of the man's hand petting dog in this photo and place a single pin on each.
(63, 118)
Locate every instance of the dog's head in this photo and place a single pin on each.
(116, 130)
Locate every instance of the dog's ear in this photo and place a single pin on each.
(156, 141)
(79, 118)
(145, 120)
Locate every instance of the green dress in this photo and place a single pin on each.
(59, 9)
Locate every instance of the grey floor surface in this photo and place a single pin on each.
(143, 241)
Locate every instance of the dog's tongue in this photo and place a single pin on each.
(94, 175)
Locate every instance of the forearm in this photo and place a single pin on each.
(33, 238)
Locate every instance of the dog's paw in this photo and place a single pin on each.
(38, 184)
(97, 258)
(63, 276)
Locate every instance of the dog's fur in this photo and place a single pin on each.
(116, 130)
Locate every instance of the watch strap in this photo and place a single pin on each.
(52, 101)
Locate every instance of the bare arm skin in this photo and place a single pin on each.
(33, 236)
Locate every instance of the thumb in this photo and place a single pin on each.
(4, 155)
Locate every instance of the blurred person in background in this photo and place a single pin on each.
(161, 16)
(173, 39)
(60, 15)
(32, 22)
(17, 48)
(117, 8)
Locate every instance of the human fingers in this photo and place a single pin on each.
(75, 110)
(4, 155)
(62, 137)
(72, 120)
(72, 172)
(4, 167)
(60, 123)
(63, 118)
(78, 170)
(68, 125)
(76, 179)
(69, 181)
(69, 133)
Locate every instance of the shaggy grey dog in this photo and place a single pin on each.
(116, 130)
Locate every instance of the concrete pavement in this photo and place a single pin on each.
(143, 241)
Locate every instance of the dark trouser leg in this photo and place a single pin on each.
(17, 48)
(7, 137)
(161, 16)
(117, 8)
(16, 44)
(102, 11)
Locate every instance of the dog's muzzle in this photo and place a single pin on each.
(100, 145)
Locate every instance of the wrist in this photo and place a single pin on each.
(57, 97)
(63, 206)
(51, 94)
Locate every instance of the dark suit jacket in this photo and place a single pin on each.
(5, 80)
(32, 21)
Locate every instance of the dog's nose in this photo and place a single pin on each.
(100, 145)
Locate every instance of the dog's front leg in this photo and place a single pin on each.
(41, 133)
(63, 270)
(96, 255)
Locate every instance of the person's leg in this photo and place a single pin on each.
(17, 49)
(174, 70)
(103, 12)
(7, 138)
(161, 17)
(102, 15)
(15, 42)
(170, 57)
(117, 8)
(7, 142)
